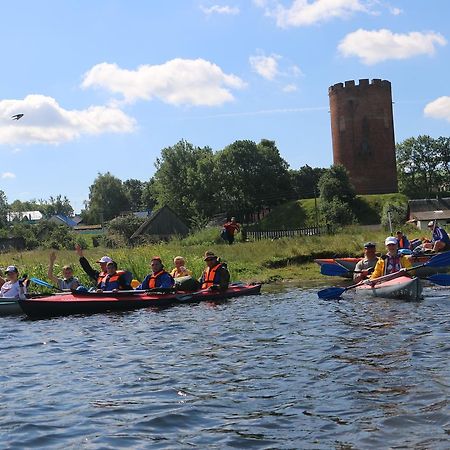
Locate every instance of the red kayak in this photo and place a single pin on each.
(92, 302)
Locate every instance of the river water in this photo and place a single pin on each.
(283, 370)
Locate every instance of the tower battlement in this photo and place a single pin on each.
(363, 84)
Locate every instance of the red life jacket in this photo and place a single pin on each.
(153, 278)
(111, 282)
(209, 275)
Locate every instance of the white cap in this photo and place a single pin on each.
(391, 240)
(105, 259)
(11, 269)
(430, 223)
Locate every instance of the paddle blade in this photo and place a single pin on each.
(333, 270)
(331, 293)
(439, 260)
(41, 282)
(442, 279)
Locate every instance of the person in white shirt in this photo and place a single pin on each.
(12, 287)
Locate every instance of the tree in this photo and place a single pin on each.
(107, 199)
(185, 180)
(134, 190)
(305, 181)
(337, 196)
(148, 199)
(56, 205)
(251, 176)
(422, 163)
(4, 209)
(335, 183)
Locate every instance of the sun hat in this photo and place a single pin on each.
(11, 269)
(209, 255)
(104, 259)
(391, 240)
(370, 245)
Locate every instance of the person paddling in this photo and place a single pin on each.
(440, 242)
(392, 262)
(216, 275)
(158, 278)
(367, 264)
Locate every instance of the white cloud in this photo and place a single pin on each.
(439, 108)
(45, 121)
(177, 82)
(380, 45)
(290, 88)
(395, 11)
(217, 9)
(6, 175)
(305, 13)
(266, 66)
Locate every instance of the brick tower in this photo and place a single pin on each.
(362, 129)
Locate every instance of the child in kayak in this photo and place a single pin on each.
(12, 287)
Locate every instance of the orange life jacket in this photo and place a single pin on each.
(153, 278)
(209, 274)
(100, 277)
(113, 281)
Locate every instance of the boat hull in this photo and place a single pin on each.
(91, 303)
(402, 288)
(9, 307)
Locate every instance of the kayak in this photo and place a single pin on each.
(422, 272)
(92, 302)
(9, 306)
(404, 288)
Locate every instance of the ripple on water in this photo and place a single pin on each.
(282, 370)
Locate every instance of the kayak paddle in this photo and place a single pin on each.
(336, 270)
(439, 260)
(442, 279)
(44, 283)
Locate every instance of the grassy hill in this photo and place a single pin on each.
(302, 213)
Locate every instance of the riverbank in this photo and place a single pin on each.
(266, 261)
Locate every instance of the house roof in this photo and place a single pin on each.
(429, 209)
(67, 220)
(29, 215)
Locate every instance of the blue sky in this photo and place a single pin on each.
(104, 85)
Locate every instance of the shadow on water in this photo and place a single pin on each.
(280, 370)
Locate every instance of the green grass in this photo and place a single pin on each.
(266, 261)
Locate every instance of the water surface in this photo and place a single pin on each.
(282, 370)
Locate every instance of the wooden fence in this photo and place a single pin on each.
(256, 235)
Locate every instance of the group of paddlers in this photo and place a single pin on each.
(109, 278)
(395, 259)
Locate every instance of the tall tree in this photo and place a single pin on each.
(184, 179)
(251, 176)
(420, 166)
(134, 190)
(58, 205)
(305, 181)
(4, 209)
(107, 199)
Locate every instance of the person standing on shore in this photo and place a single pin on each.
(230, 229)
(364, 267)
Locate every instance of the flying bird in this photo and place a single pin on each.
(16, 116)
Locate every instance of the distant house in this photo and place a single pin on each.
(423, 210)
(162, 225)
(61, 219)
(25, 216)
(89, 229)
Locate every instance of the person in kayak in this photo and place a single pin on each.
(440, 242)
(392, 262)
(403, 241)
(68, 282)
(12, 287)
(96, 275)
(364, 267)
(115, 280)
(180, 270)
(216, 275)
(159, 278)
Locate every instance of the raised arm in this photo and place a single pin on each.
(50, 274)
